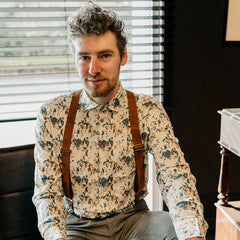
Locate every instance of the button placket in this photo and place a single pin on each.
(103, 155)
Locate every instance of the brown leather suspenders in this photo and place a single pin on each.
(137, 142)
(65, 150)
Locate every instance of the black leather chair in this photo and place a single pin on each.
(18, 219)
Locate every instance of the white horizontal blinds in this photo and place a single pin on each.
(36, 63)
(144, 49)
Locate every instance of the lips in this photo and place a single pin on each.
(96, 81)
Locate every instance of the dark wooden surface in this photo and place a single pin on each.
(223, 185)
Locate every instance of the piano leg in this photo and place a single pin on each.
(223, 185)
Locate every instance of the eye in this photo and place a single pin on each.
(84, 58)
(106, 55)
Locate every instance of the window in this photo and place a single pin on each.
(36, 63)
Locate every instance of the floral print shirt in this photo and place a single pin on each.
(102, 164)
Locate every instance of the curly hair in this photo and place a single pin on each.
(94, 19)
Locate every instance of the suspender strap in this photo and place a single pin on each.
(138, 146)
(65, 150)
(137, 142)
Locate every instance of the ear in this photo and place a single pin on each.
(124, 57)
(75, 64)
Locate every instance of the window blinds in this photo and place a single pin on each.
(36, 63)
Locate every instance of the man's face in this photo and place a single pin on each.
(98, 62)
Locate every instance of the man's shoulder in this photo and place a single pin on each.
(58, 103)
(146, 100)
(148, 105)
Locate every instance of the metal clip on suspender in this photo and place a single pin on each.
(137, 142)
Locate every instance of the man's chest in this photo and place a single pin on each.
(102, 144)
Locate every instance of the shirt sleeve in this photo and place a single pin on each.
(176, 182)
(48, 191)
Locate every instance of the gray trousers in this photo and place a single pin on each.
(137, 223)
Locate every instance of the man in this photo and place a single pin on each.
(102, 164)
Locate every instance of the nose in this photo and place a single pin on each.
(94, 66)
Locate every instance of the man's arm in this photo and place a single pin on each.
(176, 182)
(48, 192)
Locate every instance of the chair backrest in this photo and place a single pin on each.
(18, 215)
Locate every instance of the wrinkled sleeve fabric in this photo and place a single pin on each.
(48, 191)
(176, 182)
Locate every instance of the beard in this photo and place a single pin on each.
(100, 90)
(104, 89)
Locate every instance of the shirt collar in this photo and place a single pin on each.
(119, 100)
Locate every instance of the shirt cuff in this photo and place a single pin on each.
(53, 233)
(191, 227)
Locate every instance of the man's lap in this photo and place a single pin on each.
(139, 223)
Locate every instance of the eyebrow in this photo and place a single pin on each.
(101, 52)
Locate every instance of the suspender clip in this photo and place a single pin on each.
(138, 147)
(65, 151)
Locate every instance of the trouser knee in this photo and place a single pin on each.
(151, 226)
(162, 226)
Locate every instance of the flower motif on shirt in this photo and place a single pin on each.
(126, 121)
(116, 102)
